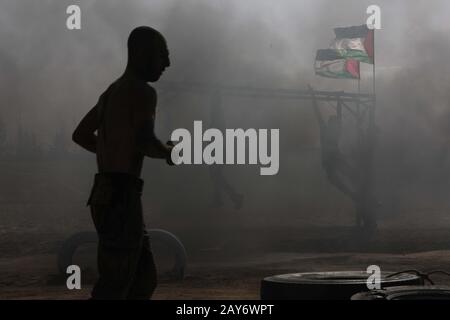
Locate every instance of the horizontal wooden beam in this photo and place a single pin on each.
(264, 92)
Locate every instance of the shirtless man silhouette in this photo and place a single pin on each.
(119, 129)
(338, 170)
(348, 178)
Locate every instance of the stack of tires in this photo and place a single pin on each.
(406, 293)
(340, 285)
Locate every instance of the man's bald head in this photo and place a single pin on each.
(145, 39)
(147, 49)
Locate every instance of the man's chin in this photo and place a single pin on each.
(154, 78)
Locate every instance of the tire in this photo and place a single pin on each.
(341, 285)
(69, 247)
(179, 268)
(406, 293)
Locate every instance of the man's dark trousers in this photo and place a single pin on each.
(125, 260)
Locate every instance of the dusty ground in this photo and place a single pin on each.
(230, 267)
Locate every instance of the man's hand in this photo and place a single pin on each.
(170, 144)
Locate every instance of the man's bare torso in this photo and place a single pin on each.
(117, 149)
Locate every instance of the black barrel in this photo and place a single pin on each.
(339, 285)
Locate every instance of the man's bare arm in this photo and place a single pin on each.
(84, 135)
(147, 141)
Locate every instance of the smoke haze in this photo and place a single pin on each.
(50, 77)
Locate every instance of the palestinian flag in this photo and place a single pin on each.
(355, 43)
(330, 64)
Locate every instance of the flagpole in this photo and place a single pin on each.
(372, 111)
(369, 181)
(359, 92)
